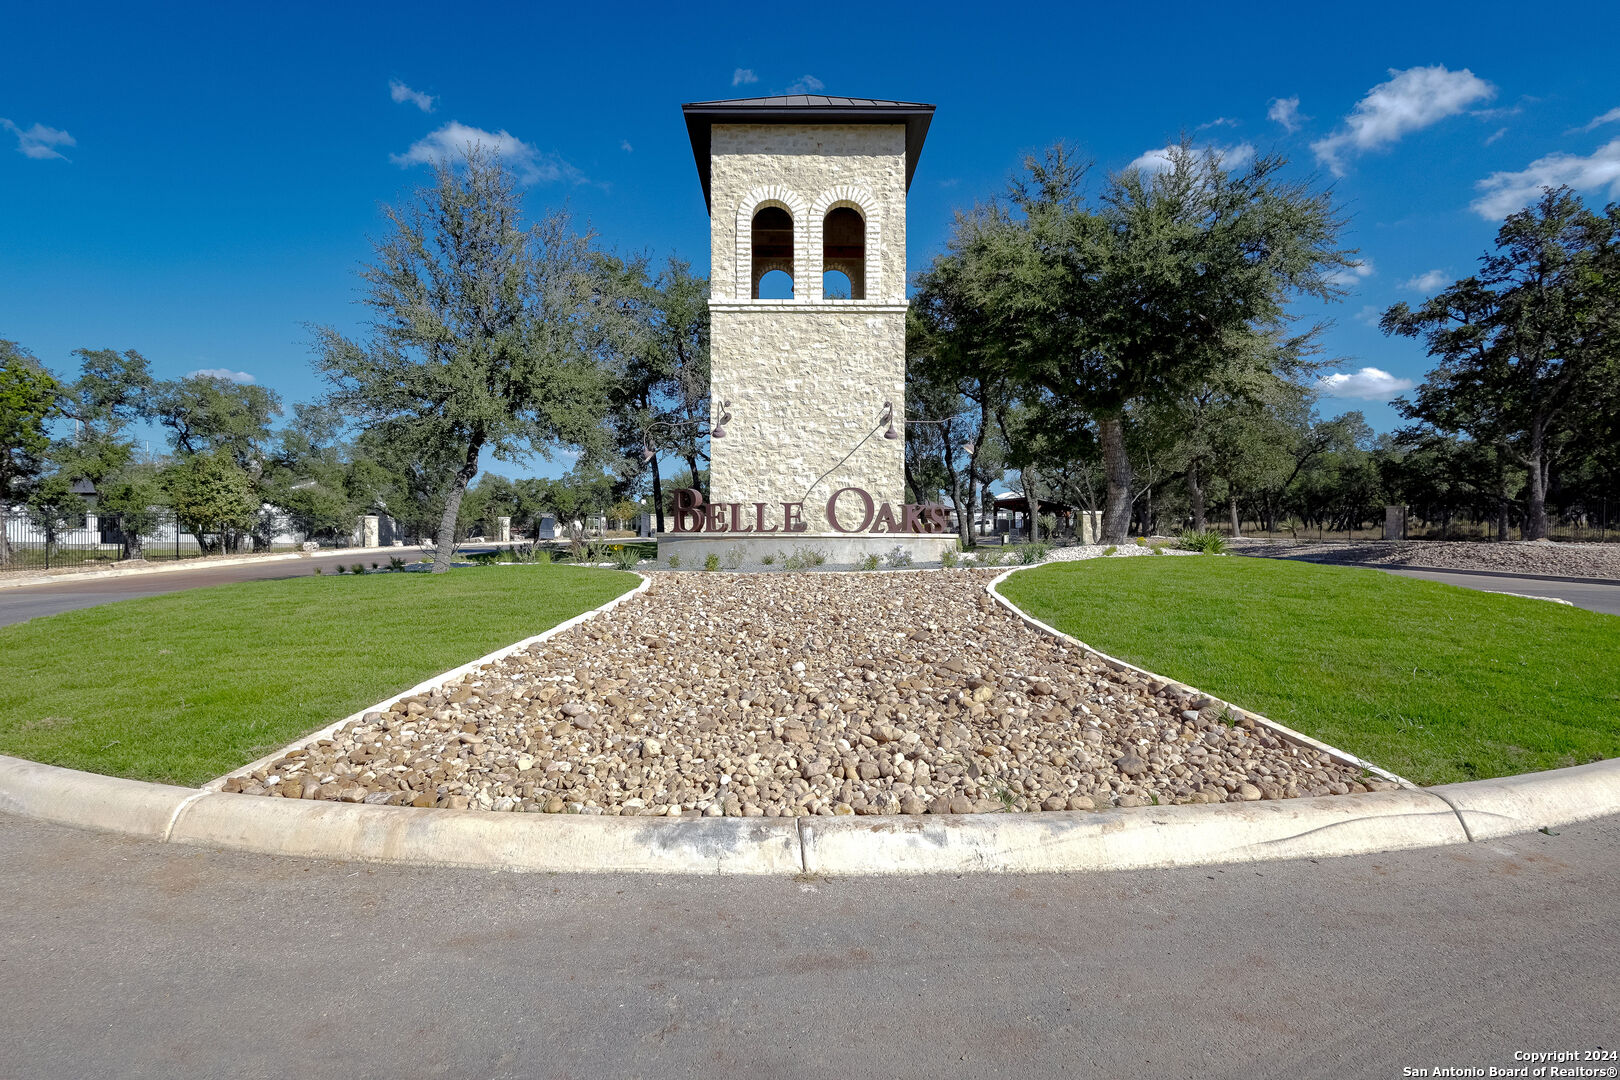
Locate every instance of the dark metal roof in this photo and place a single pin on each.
(805, 109)
(83, 487)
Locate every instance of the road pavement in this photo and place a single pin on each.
(32, 601)
(132, 959)
(1591, 595)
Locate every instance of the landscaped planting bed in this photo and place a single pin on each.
(787, 694)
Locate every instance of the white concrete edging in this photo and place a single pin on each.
(1066, 841)
(1343, 757)
(434, 682)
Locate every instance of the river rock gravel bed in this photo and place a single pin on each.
(788, 694)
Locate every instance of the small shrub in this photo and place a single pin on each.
(898, 557)
(625, 558)
(396, 563)
(340, 569)
(674, 562)
(768, 560)
(1031, 553)
(1208, 541)
(712, 563)
(1048, 524)
(1109, 550)
(1158, 549)
(869, 563)
(949, 558)
(317, 571)
(1141, 541)
(376, 566)
(357, 568)
(815, 556)
(734, 557)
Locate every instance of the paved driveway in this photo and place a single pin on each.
(130, 959)
(1591, 595)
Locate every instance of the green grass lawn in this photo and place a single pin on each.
(1436, 683)
(184, 687)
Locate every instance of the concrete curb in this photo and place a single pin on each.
(437, 680)
(1136, 838)
(189, 564)
(1514, 804)
(1287, 733)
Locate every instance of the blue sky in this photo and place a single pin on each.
(199, 182)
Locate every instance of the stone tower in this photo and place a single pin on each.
(811, 187)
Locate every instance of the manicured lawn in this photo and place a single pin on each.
(1437, 683)
(184, 687)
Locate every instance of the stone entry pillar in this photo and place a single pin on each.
(503, 529)
(1394, 523)
(369, 530)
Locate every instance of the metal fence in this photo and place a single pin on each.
(93, 539)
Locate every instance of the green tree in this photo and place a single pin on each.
(1159, 285)
(476, 340)
(213, 498)
(29, 399)
(1524, 345)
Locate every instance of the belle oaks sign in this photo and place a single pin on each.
(860, 514)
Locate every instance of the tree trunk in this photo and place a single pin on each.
(1502, 524)
(1195, 491)
(691, 463)
(1032, 503)
(658, 493)
(1535, 523)
(1237, 524)
(444, 543)
(5, 541)
(1117, 512)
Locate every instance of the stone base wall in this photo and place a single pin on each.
(807, 386)
(842, 550)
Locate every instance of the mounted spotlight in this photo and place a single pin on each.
(888, 418)
(647, 451)
(969, 447)
(719, 429)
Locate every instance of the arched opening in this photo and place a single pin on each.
(773, 251)
(843, 248)
(835, 285)
(774, 285)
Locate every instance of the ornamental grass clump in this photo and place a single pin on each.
(898, 557)
(712, 563)
(1207, 541)
(869, 563)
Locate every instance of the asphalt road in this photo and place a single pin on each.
(132, 959)
(31, 601)
(1586, 594)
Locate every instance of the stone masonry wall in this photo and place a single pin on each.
(808, 169)
(805, 388)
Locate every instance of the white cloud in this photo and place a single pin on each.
(1346, 276)
(450, 141)
(1610, 117)
(1410, 101)
(807, 84)
(1285, 111)
(1497, 134)
(1426, 282)
(39, 142)
(1230, 157)
(1219, 121)
(743, 76)
(1370, 315)
(221, 373)
(1370, 384)
(402, 93)
(1502, 193)
(624, 144)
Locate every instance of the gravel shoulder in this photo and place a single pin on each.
(1514, 556)
(792, 694)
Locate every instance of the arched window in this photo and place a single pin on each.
(835, 285)
(772, 248)
(844, 249)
